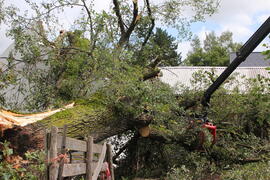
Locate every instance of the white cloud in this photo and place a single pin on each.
(241, 17)
(240, 32)
(262, 18)
(100, 5)
(241, 12)
(183, 48)
(230, 8)
(203, 32)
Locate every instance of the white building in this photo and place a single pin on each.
(184, 75)
(254, 65)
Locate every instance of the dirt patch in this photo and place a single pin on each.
(22, 139)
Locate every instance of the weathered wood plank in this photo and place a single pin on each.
(94, 166)
(47, 142)
(97, 148)
(76, 169)
(89, 158)
(63, 151)
(78, 145)
(53, 154)
(100, 162)
(73, 144)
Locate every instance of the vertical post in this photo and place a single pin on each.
(53, 154)
(89, 158)
(47, 142)
(110, 161)
(63, 151)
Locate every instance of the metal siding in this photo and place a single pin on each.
(183, 74)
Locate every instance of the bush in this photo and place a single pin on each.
(258, 171)
(14, 167)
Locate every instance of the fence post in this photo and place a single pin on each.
(63, 151)
(100, 162)
(53, 168)
(89, 160)
(47, 142)
(110, 161)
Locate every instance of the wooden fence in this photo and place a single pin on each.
(68, 157)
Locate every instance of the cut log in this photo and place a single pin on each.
(144, 131)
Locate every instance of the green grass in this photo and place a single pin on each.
(252, 171)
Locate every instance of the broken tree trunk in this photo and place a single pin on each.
(82, 120)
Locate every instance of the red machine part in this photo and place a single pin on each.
(212, 130)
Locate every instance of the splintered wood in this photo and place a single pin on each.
(9, 119)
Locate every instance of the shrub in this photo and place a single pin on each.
(14, 167)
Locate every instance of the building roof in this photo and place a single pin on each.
(255, 59)
(182, 75)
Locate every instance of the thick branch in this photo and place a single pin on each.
(161, 137)
(151, 75)
(90, 19)
(154, 70)
(135, 18)
(155, 62)
(152, 23)
(95, 38)
(125, 37)
(118, 14)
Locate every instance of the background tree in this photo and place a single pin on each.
(214, 51)
(267, 51)
(161, 49)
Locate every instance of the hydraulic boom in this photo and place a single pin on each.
(241, 56)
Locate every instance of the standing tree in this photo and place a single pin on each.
(161, 49)
(213, 52)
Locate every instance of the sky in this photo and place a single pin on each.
(242, 17)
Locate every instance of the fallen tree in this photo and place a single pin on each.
(120, 110)
(109, 68)
(173, 140)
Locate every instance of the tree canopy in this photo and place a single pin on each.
(161, 49)
(91, 50)
(213, 51)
